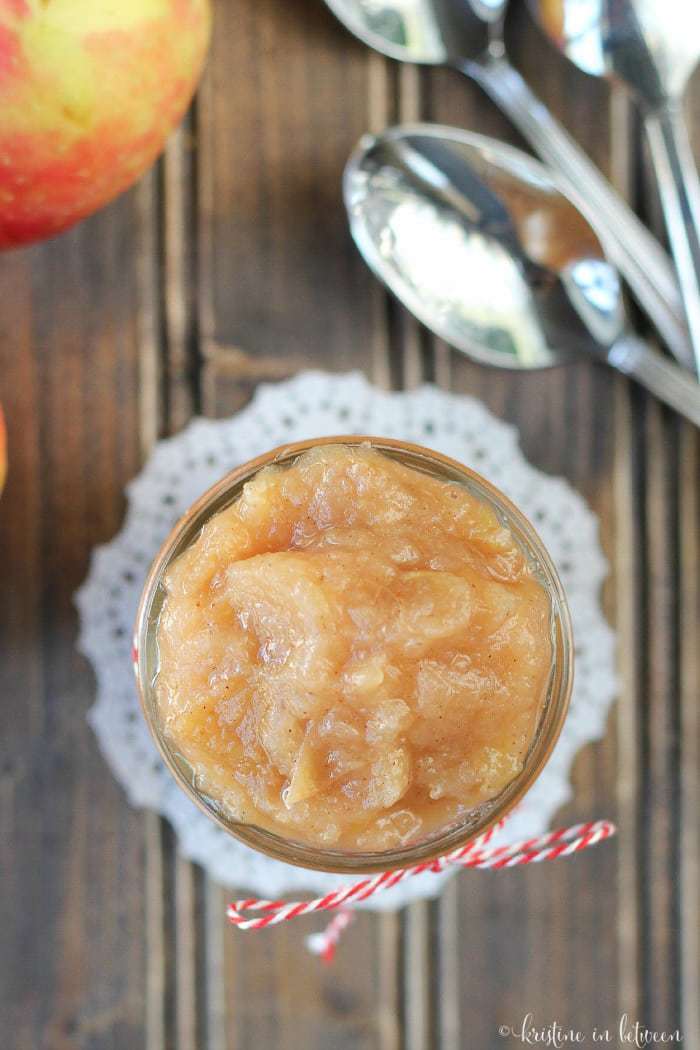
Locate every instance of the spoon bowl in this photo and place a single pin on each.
(652, 46)
(431, 32)
(480, 243)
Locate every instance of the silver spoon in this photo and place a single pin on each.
(652, 46)
(478, 241)
(468, 35)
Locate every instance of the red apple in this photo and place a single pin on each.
(89, 90)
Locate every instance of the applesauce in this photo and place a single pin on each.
(353, 655)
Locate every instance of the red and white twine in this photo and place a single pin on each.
(475, 854)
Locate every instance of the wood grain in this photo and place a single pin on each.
(229, 265)
(73, 952)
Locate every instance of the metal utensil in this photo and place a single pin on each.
(468, 35)
(652, 46)
(479, 242)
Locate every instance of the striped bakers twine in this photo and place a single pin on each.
(476, 854)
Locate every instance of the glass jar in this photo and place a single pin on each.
(552, 715)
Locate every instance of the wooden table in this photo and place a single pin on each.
(231, 264)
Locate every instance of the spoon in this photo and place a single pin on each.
(468, 35)
(652, 46)
(478, 241)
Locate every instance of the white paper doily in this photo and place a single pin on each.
(315, 404)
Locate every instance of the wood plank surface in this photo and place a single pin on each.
(73, 951)
(230, 265)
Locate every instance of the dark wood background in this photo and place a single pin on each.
(229, 264)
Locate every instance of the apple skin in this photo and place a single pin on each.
(89, 91)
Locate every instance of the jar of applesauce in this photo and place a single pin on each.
(354, 654)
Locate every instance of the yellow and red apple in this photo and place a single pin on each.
(89, 90)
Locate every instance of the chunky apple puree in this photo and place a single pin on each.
(354, 654)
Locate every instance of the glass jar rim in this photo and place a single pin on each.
(551, 720)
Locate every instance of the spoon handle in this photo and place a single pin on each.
(661, 377)
(680, 197)
(630, 245)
